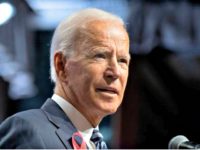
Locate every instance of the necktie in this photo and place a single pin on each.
(78, 142)
(97, 139)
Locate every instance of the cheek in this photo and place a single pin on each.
(75, 71)
(80, 76)
(124, 80)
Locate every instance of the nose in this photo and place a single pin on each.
(113, 70)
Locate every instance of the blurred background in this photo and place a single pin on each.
(163, 91)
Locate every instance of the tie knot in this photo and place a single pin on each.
(97, 139)
(96, 136)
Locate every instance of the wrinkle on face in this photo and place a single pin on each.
(86, 74)
(93, 35)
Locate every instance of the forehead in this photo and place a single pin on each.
(106, 29)
(103, 33)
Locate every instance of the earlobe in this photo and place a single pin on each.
(59, 64)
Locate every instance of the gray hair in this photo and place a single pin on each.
(65, 34)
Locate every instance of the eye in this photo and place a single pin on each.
(100, 55)
(123, 60)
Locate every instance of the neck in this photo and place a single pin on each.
(93, 118)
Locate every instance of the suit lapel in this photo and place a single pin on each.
(66, 139)
(56, 116)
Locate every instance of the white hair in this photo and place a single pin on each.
(65, 34)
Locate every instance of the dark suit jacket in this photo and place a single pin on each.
(47, 128)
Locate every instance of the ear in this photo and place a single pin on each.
(59, 64)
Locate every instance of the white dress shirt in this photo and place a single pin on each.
(78, 120)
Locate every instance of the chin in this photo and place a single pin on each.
(108, 107)
(110, 110)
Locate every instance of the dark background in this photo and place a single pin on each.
(163, 91)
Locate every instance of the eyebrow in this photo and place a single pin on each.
(127, 56)
(106, 50)
(96, 50)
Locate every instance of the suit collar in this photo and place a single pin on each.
(56, 116)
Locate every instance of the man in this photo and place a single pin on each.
(89, 65)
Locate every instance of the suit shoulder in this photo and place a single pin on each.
(29, 116)
(17, 128)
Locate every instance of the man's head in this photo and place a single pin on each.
(89, 62)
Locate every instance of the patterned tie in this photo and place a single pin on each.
(97, 139)
(78, 142)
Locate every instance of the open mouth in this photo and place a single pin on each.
(107, 90)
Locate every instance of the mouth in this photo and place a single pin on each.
(108, 90)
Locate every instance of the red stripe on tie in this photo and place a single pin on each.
(76, 144)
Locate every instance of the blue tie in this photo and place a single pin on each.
(97, 139)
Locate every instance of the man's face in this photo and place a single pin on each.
(97, 73)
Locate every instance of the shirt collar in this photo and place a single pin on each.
(78, 120)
